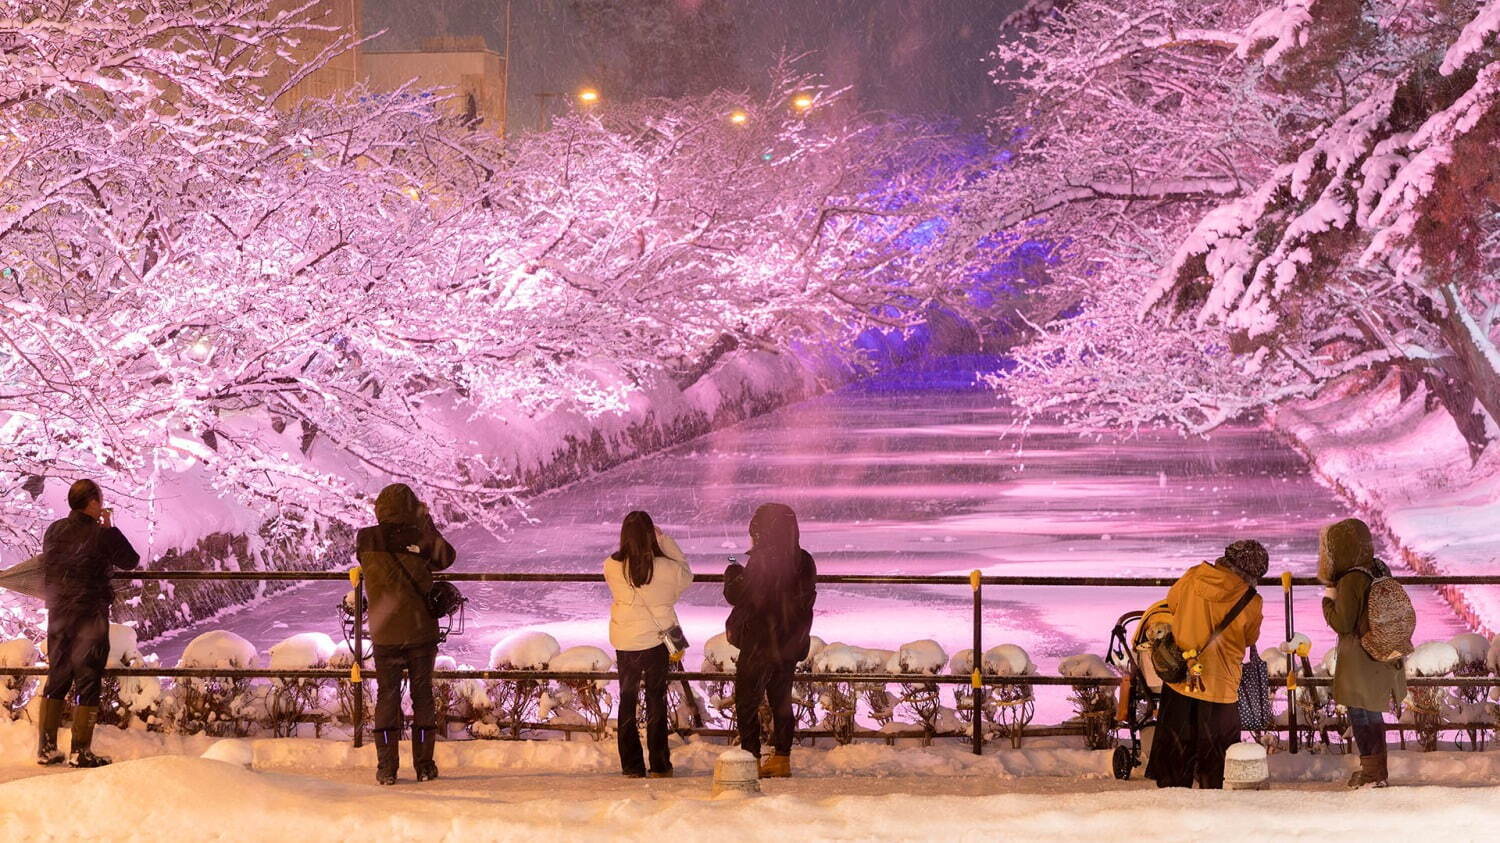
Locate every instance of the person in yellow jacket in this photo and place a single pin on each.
(1199, 719)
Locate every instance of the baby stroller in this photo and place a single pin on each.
(1140, 688)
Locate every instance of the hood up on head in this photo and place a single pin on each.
(398, 504)
(1343, 546)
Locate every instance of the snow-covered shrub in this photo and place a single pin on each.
(920, 699)
(1424, 704)
(1468, 703)
(458, 700)
(881, 701)
(1010, 707)
(805, 694)
(125, 700)
(16, 691)
(518, 701)
(294, 701)
(217, 705)
(838, 700)
(579, 701)
(341, 709)
(1093, 701)
(719, 656)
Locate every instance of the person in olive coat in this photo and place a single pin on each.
(1366, 687)
(78, 553)
(771, 624)
(397, 557)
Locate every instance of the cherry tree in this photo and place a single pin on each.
(1152, 135)
(290, 309)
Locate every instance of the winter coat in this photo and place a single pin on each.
(639, 616)
(773, 596)
(1199, 601)
(77, 557)
(404, 536)
(1358, 681)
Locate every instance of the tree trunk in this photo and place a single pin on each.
(1468, 384)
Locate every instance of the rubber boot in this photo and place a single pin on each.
(81, 753)
(387, 755)
(776, 767)
(47, 753)
(1371, 772)
(423, 740)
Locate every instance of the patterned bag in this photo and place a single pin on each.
(1255, 696)
(1388, 620)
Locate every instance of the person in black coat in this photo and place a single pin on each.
(397, 557)
(78, 553)
(771, 624)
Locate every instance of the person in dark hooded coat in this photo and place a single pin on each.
(771, 624)
(78, 554)
(397, 557)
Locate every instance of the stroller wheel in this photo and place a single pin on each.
(1123, 762)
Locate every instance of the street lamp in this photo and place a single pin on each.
(738, 117)
(802, 102)
(588, 96)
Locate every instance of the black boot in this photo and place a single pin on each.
(48, 720)
(81, 753)
(387, 755)
(423, 739)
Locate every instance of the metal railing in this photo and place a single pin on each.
(977, 681)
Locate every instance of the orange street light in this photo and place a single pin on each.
(802, 102)
(738, 117)
(588, 96)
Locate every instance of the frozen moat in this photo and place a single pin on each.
(911, 475)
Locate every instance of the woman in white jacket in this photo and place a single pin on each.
(645, 576)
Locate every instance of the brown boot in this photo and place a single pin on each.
(1371, 772)
(776, 767)
(48, 720)
(81, 753)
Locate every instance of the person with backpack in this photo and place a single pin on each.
(645, 577)
(771, 624)
(1368, 610)
(1215, 618)
(78, 554)
(397, 557)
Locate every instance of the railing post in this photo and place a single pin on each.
(359, 647)
(1291, 666)
(977, 679)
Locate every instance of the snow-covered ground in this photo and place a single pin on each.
(498, 790)
(904, 475)
(1411, 470)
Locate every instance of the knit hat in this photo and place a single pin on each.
(1246, 557)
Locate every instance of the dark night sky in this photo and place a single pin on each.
(912, 56)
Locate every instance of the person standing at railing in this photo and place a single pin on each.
(645, 577)
(78, 553)
(1216, 617)
(771, 624)
(397, 557)
(1365, 687)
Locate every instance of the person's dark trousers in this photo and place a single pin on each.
(1191, 739)
(416, 663)
(650, 665)
(1369, 730)
(77, 653)
(758, 678)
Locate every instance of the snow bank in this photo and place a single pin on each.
(924, 657)
(526, 650)
(302, 652)
(1085, 665)
(720, 655)
(1008, 660)
(1435, 658)
(219, 648)
(1410, 470)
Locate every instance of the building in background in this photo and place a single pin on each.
(342, 72)
(463, 67)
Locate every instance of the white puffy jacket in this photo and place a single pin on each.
(639, 616)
